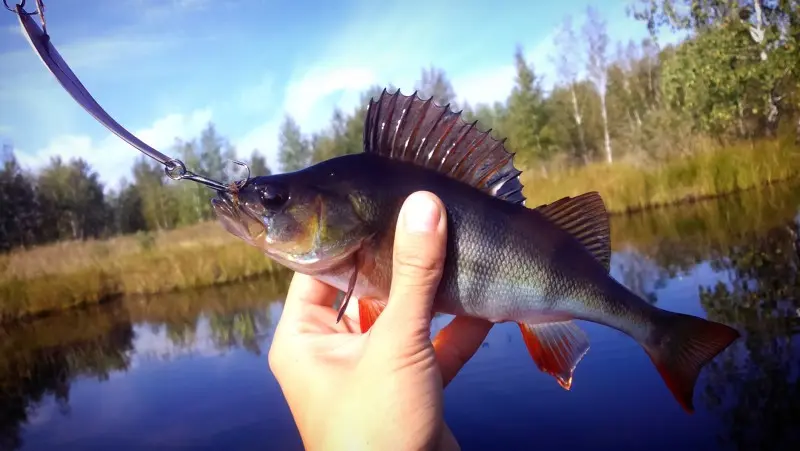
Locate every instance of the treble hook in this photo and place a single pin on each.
(20, 9)
(40, 40)
(246, 179)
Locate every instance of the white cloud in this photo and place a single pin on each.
(89, 55)
(152, 344)
(113, 158)
(339, 78)
(303, 96)
(484, 86)
(393, 54)
(13, 29)
(264, 137)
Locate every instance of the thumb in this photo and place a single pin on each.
(418, 260)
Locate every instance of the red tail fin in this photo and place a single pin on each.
(680, 346)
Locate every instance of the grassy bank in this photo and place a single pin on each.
(65, 275)
(626, 187)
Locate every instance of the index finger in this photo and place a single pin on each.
(457, 342)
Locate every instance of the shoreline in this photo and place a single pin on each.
(693, 199)
(144, 297)
(43, 281)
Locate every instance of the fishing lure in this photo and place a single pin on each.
(42, 45)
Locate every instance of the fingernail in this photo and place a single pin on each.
(420, 214)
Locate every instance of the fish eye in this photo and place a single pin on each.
(272, 197)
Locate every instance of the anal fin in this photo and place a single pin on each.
(556, 347)
(368, 312)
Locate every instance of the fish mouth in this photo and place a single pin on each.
(222, 204)
(237, 219)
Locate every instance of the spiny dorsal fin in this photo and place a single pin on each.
(584, 217)
(408, 128)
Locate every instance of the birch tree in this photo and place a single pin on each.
(566, 60)
(594, 32)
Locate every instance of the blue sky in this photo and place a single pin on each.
(164, 68)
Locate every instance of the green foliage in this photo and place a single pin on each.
(294, 150)
(126, 208)
(526, 113)
(72, 201)
(434, 83)
(258, 164)
(739, 69)
(21, 213)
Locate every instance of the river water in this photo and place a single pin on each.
(189, 371)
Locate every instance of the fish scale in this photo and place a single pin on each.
(541, 268)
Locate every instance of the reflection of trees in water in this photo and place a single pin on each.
(752, 239)
(679, 238)
(181, 332)
(240, 329)
(641, 274)
(41, 358)
(34, 366)
(754, 386)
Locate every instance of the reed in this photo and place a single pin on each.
(627, 187)
(65, 275)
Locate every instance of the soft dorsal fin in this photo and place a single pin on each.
(408, 128)
(584, 217)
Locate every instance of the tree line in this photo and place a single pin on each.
(736, 76)
(66, 200)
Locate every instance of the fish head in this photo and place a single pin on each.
(307, 228)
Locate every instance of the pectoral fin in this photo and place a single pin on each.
(556, 347)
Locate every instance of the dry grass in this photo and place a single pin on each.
(64, 275)
(626, 187)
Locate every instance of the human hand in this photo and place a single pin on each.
(382, 389)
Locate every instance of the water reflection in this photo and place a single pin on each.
(755, 389)
(734, 260)
(752, 242)
(41, 358)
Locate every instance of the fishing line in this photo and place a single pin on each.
(40, 41)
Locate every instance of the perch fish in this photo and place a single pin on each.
(540, 268)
